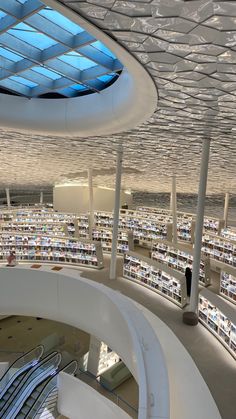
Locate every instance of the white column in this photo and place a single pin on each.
(199, 225)
(171, 202)
(91, 209)
(116, 212)
(8, 197)
(94, 355)
(41, 198)
(226, 209)
(174, 210)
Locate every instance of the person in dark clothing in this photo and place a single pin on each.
(188, 276)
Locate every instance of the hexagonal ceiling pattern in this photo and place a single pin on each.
(189, 48)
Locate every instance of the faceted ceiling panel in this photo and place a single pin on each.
(189, 48)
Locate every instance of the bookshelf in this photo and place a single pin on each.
(45, 248)
(156, 276)
(179, 258)
(227, 287)
(219, 249)
(229, 233)
(143, 229)
(125, 240)
(219, 318)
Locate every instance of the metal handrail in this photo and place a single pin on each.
(117, 397)
(49, 388)
(21, 364)
(24, 383)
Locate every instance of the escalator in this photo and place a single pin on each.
(31, 380)
(17, 371)
(44, 397)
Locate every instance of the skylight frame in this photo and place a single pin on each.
(63, 42)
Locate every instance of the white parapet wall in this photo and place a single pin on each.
(77, 400)
(75, 198)
(138, 338)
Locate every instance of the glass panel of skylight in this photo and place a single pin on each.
(24, 81)
(47, 73)
(22, 1)
(2, 14)
(60, 20)
(107, 77)
(79, 87)
(31, 36)
(10, 55)
(77, 61)
(101, 47)
(16, 87)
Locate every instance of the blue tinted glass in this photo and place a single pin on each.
(9, 55)
(31, 36)
(106, 78)
(22, 1)
(73, 90)
(12, 85)
(78, 87)
(60, 20)
(101, 47)
(77, 61)
(47, 73)
(21, 80)
(12, 52)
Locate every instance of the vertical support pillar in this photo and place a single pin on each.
(91, 209)
(94, 355)
(191, 316)
(226, 209)
(174, 210)
(116, 212)
(171, 202)
(41, 198)
(8, 197)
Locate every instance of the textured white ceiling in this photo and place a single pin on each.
(189, 48)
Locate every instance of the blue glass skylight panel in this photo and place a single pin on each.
(31, 36)
(47, 73)
(106, 78)
(52, 70)
(101, 47)
(10, 55)
(2, 14)
(24, 81)
(22, 1)
(60, 20)
(78, 87)
(77, 61)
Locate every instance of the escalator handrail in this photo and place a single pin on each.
(29, 386)
(22, 382)
(44, 394)
(39, 348)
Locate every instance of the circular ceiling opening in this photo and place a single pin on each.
(43, 54)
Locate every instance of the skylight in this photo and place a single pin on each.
(44, 54)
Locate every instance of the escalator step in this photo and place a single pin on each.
(16, 382)
(35, 394)
(30, 402)
(20, 416)
(24, 410)
(39, 388)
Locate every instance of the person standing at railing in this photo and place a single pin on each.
(11, 259)
(188, 276)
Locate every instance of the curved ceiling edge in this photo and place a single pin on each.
(128, 102)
